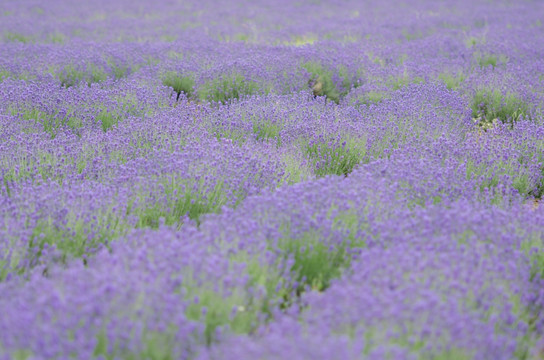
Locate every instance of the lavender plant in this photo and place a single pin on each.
(227, 88)
(489, 105)
(71, 76)
(322, 81)
(331, 180)
(180, 84)
(452, 82)
(334, 156)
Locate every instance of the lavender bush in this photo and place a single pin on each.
(271, 180)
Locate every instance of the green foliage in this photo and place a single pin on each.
(216, 310)
(267, 130)
(488, 177)
(129, 104)
(10, 260)
(242, 308)
(67, 238)
(242, 37)
(126, 105)
(266, 277)
(41, 164)
(119, 71)
(485, 60)
(179, 83)
(347, 81)
(175, 55)
(95, 75)
(373, 97)
(488, 105)
(56, 38)
(4, 74)
(333, 157)
(409, 36)
(472, 41)
(71, 238)
(538, 192)
(369, 98)
(376, 59)
(296, 170)
(321, 81)
(156, 346)
(349, 223)
(74, 237)
(537, 259)
(448, 354)
(399, 82)
(316, 263)
(16, 37)
(178, 203)
(168, 38)
(107, 119)
(533, 248)
(229, 132)
(50, 122)
(319, 260)
(227, 88)
(301, 40)
(522, 184)
(452, 81)
(71, 76)
(22, 355)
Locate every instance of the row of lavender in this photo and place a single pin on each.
(362, 185)
(458, 279)
(78, 193)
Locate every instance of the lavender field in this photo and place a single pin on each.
(251, 180)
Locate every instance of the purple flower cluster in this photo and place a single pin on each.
(450, 284)
(286, 180)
